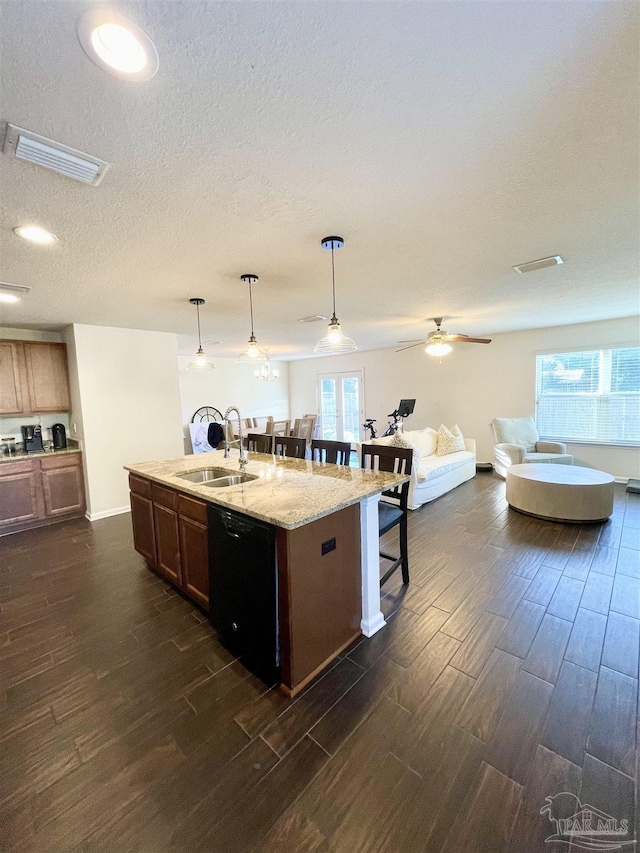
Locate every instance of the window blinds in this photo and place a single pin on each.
(589, 396)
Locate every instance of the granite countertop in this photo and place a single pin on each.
(21, 456)
(288, 492)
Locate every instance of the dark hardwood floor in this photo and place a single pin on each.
(507, 673)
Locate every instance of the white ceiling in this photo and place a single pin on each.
(445, 141)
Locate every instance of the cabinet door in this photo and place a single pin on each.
(62, 485)
(47, 376)
(167, 542)
(144, 539)
(11, 391)
(194, 560)
(18, 494)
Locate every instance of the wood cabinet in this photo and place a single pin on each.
(47, 376)
(11, 378)
(20, 496)
(38, 491)
(34, 377)
(170, 532)
(194, 548)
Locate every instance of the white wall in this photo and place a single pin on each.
(474, 384)
(126, 406)
(232, 384)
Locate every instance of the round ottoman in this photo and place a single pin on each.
(560, 492)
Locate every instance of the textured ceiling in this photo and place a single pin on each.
(445, 141)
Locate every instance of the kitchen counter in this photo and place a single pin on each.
(21, 456)
(288, 493)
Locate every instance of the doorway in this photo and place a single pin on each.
(341, 405)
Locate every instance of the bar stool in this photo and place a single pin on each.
(396, 460)
(336, 452)
(259, 443)
(294, 448)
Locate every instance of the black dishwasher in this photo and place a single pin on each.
(243, 592)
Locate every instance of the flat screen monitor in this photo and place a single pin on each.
(406, 408)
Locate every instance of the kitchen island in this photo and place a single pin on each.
(286, 561)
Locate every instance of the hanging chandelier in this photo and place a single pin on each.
(253, 351)
(200, 362)
(266, 373)
(335, 342)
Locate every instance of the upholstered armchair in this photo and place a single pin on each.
(517, 441)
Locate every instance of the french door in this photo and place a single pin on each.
(341, 405)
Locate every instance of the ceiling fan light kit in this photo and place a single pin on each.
(438, 342)
(200, 362)
(335, 341)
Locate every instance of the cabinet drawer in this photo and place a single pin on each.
(192, 508)
(140, 486)
(164, 497)
(68, 460)
(17, 467)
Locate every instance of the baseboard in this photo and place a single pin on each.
(621, 479)
(107, 513)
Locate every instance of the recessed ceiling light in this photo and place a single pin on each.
(36, 234)
(540, 264)
(117, 45)
(12, 292)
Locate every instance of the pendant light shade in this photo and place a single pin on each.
(334, 342)
(200, 362)
(253, 351)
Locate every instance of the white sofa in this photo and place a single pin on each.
(435, 475)
(517, 441)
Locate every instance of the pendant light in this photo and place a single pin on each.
(253, 351)
(266, 373)
(335, 342)
(200, 362)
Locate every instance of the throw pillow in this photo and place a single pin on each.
(426, 440)
(449, 441)
(400, 440)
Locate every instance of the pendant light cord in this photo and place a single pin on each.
(199, 335)
(333, 279)
(251, 306)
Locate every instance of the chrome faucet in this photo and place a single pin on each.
(243, 456)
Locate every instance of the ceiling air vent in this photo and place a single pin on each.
(32, 148)
(540, 264)
(313, 318)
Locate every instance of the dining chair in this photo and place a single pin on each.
(278, 428)
(257, 442)
(394, 511)
(285, 445)
(303, 428)
(315, 423)
(262, 422)
(335, 452)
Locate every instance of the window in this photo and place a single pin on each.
(591, 396)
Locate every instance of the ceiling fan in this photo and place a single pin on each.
(438, 341)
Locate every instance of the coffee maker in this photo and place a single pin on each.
(32, 438)
(59, 436)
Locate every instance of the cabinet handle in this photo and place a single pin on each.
(234, 626)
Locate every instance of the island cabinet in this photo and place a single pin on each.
(170, 532)
(287, 602)
(41, 490)
(33, 377)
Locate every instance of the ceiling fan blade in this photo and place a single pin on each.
(464, 339)
(412, 341)
(411, 346)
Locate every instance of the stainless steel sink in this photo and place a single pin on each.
(219, 478)
(233, 480)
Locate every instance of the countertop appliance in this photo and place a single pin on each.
(59, 436)
(243, 597)
(32, 438)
